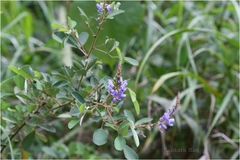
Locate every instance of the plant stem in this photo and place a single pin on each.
(90, 50)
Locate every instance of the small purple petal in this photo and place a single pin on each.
(99, 7)
(109, 8)
(117, 92)
(161, 125)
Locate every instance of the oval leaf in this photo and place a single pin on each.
(119, 143)
(100, 137)
(78, 97)
(74, 111)
(143, 120)
(83, 37)
(132, 61)
(19, 80)
(129, 153)
(123, 125)
(60, 84)
(135, 136)
(73, 123)
(28, 141)
(129, 115)
(47, 128)
(27, 72)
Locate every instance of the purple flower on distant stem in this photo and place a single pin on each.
(167, 119)
(109, 8)
(117, 92)
(167, 116)
(99, 7)
(161, 125)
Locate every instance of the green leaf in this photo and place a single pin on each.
(49, 151)
(58, 26)
(41, 137)
(34, 121)
(10, 118)
(83, 13)
(129, 153)
(119, 143)
(134, 100)
(163, 78)
(60, 84)
(38, 84)
(78, 97)
(73, 123)
(125, 123)
(14, 69)
(116, 109)
(37, 74)
(92, 21)
(95, 119)
(123, 131)
(69, 70)
(107, 124)
(77, 64)
(81, 107)
(7, 81)
(92, 62)
(114, 13)
(82, 72)
(111, 44)
(135, 136)
(129, 115)
(28, 141)
(47, 128)
(64, 41)
(28, 28)
(71, 23)
(143, 120)
(24, 96)
(27, 72)
(100, 137)
(59, 37)
(83, 37)
(132, 61)
(74, 111)
(19, 80)
(20, 108)
(136, 106)
(64, 115)
(44, 111)
(120, 56)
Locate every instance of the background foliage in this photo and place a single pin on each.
(184, 46)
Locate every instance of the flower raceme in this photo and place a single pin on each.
(110, 7)
(167, 116)
(167, 119)
(117, 91)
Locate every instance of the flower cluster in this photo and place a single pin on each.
(167, 119)
(110, 7)
(167, 116)
(117, 91)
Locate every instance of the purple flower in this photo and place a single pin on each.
(109, 8)
(167, 119)
(99, 7)
(117, 92)
(161, 125)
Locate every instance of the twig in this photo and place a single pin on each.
(90, 50)
(54, 99)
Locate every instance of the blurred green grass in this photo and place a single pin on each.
(186, 46)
